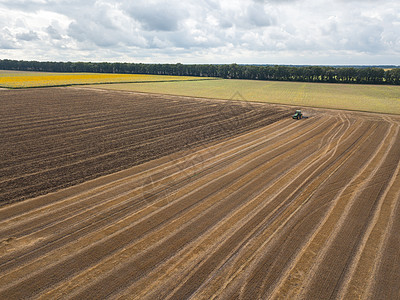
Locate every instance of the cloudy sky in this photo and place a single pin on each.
(202, 31)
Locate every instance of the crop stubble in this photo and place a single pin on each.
(286, 209)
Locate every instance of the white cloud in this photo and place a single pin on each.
(202, 31)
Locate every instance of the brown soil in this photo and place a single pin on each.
(302, 209)
(54, 138)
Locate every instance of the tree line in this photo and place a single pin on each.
(360, 75)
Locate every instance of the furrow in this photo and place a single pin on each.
(236, 267)
(300, 268)
(136, 268)
(294, 230)
(270, 165)
(170, 210)
(222, 200)
(259, 200)
(208, 157)
(361, 277)
(347, 236)
(56, 201)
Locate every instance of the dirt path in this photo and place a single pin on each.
(293, 209)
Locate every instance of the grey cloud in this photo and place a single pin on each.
(277, 2)
(157, 16)
(225, 23)
(216, 30)
(369, 39)
(204, 41)
(104, 26)
(104, 34)
(23, 5)
(212, 4)
(6, 40)
(330, 28)
(362, 1)
(258, 16)
(6, 44)
(27, 36)
(92, 33)
(53, 33)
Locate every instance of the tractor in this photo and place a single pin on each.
(297, 115)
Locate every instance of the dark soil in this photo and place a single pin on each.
(52, 138)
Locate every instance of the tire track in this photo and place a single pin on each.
(259, 247)
(244, 259)
(20, 210)
(262, 197)
(121, 149)
(292, 208)
(358, 217)
(360, 280)
(286, 245)
(7, 259)
(303, 262)
(161, 252)
(167, 230)
(248, 147)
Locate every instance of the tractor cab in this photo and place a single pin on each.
(297, 115)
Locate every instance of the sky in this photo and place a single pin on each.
(298, 32)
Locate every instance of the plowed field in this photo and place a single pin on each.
(304, 209)
(58, 137)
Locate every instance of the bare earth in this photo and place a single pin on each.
(54, 138)
(288, 209)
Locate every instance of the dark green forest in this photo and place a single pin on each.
(360, 75)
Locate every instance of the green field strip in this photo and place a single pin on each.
(356, 97)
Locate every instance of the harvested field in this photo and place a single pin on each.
(302, 209)
(58, 137)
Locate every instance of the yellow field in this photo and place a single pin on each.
(10, 79)
(370, 98)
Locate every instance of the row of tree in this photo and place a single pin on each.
(364, 75)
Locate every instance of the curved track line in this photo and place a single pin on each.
(319, 182)
(246, 217)
(261, 197)
(291, 279)
(359, 277)
(337, 164)
(233, 168)
(367, 200)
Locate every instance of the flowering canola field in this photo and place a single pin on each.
(12, 79)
